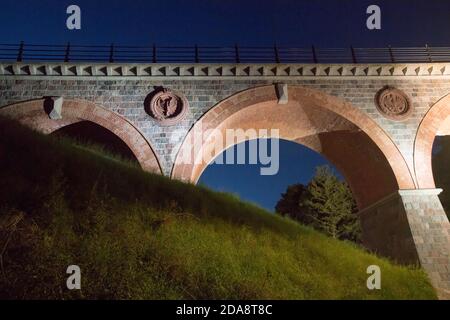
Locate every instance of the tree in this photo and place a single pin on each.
(289, 204)
(326, 204)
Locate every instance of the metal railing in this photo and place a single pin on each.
(22, 52)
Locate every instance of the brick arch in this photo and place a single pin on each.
(352, 141)
(32, 114)
(435, 122)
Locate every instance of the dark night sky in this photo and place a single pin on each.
(327, 23)
(297, 165)
(324, 23)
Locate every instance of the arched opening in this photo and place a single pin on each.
(90, 133)
(436, 123)
(246, 180)
(441, 174)
(302, 184)
(33, 114)
(366, 156)
(432, 150)
(431, 156)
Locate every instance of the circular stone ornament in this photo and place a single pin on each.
(393, 103)
(167, 107)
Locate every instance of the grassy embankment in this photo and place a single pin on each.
(142, 236)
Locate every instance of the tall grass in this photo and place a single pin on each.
(141, 236)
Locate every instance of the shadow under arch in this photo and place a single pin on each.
(34, 114)
(354, 143)
(435, 122)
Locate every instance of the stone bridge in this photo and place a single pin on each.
(375, 122)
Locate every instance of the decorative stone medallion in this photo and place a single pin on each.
(167, 107)
(393, 103)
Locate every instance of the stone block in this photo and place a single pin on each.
(282, 93)
(53, 107)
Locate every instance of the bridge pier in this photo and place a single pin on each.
(415, 230)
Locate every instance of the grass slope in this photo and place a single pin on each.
(142, 236)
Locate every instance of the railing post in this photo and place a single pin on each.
(197, 59)
(427, 48)
(111, 53)
(277, 54)
(353, 55)
(66, 57)
(391, 54)
(20, 53)
(154, 53)
(236, 51)
(314, 55)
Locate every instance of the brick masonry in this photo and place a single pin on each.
(126, 97)
(415, 229)
(408, 226)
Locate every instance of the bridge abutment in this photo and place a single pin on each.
(415, 230)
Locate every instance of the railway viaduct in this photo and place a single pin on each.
(375, 122)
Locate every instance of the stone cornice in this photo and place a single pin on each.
(201, 71)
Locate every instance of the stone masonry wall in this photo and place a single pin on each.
(430, 230)
(415, 230)
(126, 97)
(393, 237)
